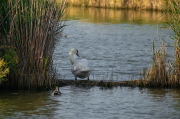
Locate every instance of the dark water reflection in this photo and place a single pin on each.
(26, 104)
(91, 103)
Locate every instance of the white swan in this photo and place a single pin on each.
(80, 68)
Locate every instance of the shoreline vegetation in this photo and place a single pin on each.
(103, 84)
(120, 4)
(141, 83)
(27, 42)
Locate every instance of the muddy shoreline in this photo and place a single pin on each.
(108, 84)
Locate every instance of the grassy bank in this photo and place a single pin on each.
(27, 38)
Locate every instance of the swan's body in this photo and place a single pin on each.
(80, 68)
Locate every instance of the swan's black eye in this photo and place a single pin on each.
(77, 53)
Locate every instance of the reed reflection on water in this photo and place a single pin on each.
(115, 16)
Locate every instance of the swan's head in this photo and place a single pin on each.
(74, 51)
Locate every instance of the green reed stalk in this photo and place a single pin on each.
(174, 21)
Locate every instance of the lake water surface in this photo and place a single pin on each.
(118, 41)
(92, 103)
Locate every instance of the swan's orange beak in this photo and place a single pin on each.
(77, 54)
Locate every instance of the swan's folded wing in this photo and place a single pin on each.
(81, 65)
(81, 68)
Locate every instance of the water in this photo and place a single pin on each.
(117, 46)
(112, 40)
(92, 103)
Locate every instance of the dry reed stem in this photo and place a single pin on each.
(161, 75)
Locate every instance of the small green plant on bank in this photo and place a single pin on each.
(4, 70)
(10, 57)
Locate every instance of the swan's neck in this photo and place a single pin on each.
(71, 57)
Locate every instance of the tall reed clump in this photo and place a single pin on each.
(157, 76)
(33, 25)
(161, 75)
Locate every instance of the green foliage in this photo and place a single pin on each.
(10, 57)
(3, 70)
(173, 15)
